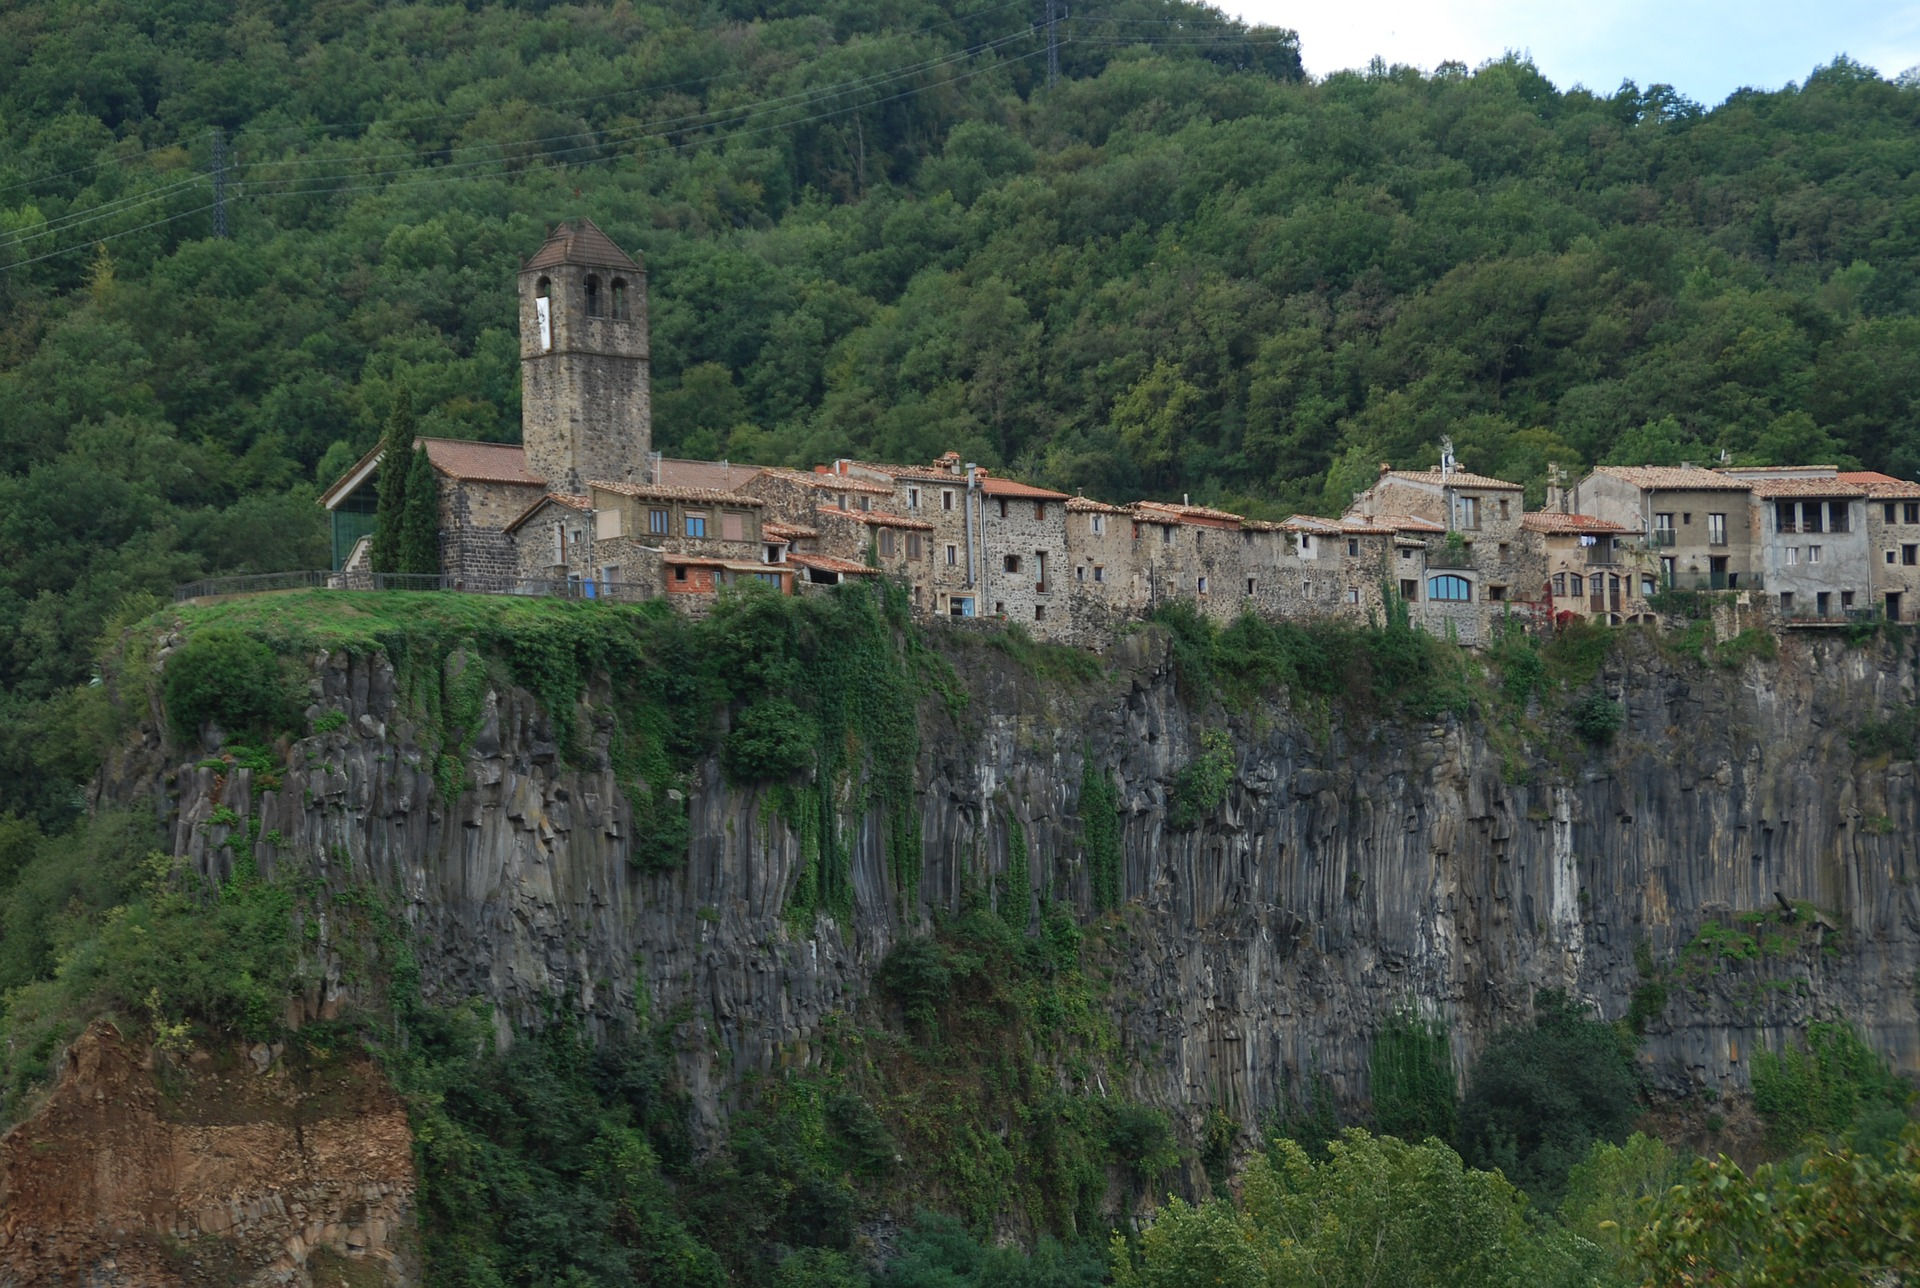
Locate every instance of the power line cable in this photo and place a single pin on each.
(94, 241)
(92, 214)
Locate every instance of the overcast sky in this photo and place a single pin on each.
(1704, 48)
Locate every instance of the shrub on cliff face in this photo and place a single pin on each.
(1541, 1094)
(228, 678)
(771, 740)
(1597, 717)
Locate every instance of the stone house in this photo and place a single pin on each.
(1694, 521)
(1585, 566)
(1333, 567)
(553, 543)
(1467, 576)
(1893, 541)
(1023, 541)
(1101, 590)
(653, 539)
(1809, 532)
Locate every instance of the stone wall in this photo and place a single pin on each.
(473, 520)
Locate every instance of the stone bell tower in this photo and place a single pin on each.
(585, 407)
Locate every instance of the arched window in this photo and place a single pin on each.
(593, 296)
(1448, 587)
(620, 298)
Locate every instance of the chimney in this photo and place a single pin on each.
(1386, 468)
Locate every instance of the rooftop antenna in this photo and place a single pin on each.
(1446, 456)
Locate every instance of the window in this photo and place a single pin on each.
(1466, 512)
(1409, 589)
(960, 605)
(946, 503)
(1039, 612)
(1686, 518)
(1822, 603)
(1353, 545)
(1011, 563)
(953, 557)
(679, 573)
(1496, 593)
(1813, 554)
(1846, 599)
(1576, 585)
(593, 296)
(657, 521)
(1080, 572)
(1003, 507)
(1910, 512)
(887, 542)
(1099, 572)
(1406, 552)
(559, 545)
(1909, 556)
(620, 298)
(1166, 534)
(769, 578)
(1786, 516)
(1839, 516)
(1716, 529)
(1040, 570)
(1663, 529)
(773, 552)
(1039, 509)
(1887, 511)
(913, 545)
(866, 502)
(1560, 584)
(1811, 514)
(1200, 585)
(1249, 585)
(1648, 586)
(1793, 554)
(999, 608)
(543, 312)
(913, 498)
(1449, 588)
(1306, 542)
(1890, 558)
(1097, 523)
(696, 524)
(1505, 550)
(733, 525)
(1353, 594)
(1503, 508)
(1786, 601)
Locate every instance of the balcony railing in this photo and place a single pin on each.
(1834, 617)
(1602, 553)
(1714, 581)
(1664, 537)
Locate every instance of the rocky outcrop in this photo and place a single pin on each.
(216, 1168)
(1357, 864)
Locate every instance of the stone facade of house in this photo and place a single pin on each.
(1893, 542)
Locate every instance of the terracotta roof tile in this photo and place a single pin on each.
(828, 563)
(571, 501)
(723, 476)
(1672, 478)
(459, 458)
(996, 487)
(1881, 485)
(1087, 505)
(1396, 522)
(787, 531)
(1195, 514)
(1768, 489)
(580, 241)
(1554, 524)
(917, 473)
(828, 482)
(1459, 478)
(656, 492)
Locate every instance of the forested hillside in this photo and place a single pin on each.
(878, 230)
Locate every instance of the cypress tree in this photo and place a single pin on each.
(390, 517)
(420, 521)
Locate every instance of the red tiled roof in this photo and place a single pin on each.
(1396, 522)
(459, 458)
(1198, 515)
(1087, 505)
(722, 476)
(828, 563)
(917, 473)
(1554, 524)
(877, 518)
(571, 501)
(579, 241)
(1459, 478)
(1882, 485)
(1768, 489)
(786, 531)
(828, 482)
(993, 487)
(1672, 478)
(656, 492)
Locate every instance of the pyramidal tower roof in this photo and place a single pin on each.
(580, 241)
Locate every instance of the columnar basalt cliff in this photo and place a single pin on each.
(1357, 864)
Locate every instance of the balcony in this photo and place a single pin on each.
(1602, 554)
(1834, 617)
(1715, 582)
(1450, 558)
(1664, 538)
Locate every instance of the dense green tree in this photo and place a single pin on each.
(420, 517)
(389, 552)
